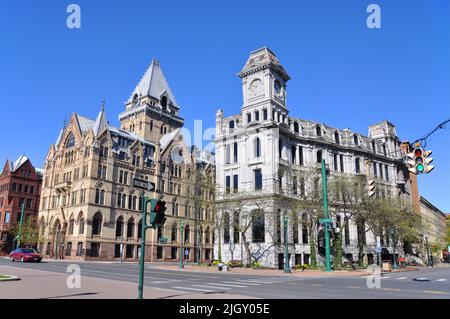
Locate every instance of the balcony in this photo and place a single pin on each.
(63, 186)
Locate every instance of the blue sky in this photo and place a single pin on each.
(343, 74)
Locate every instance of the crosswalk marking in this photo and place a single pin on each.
(385, 277)
(442, 279)
(226, 285)
(401, 278)
(258, 281)
(193, 289)
(237, 282)
(211, 286)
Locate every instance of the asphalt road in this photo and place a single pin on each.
(426, 283)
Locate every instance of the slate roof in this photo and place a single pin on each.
(154, 84)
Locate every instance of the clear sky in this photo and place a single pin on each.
(343, 74)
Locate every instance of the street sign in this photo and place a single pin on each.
(139, 183)
(325, 221)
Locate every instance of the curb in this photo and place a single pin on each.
(10, 278)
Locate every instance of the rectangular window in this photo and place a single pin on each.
(249, 117)
(235, 183)
(258, 179)
(381, 171)
(341, 158)
(357, 166)
(294, 185)
(256, 115)
(300, 153)
(386, 168)
(236, 233)
(235, 152)
(375, 169)
(228, 184)
(120, 177)
(335, 162)
(265, 114)
(80, 249)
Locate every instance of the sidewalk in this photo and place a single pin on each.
(38, 284)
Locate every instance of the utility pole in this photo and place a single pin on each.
(19, 234)
(286, 248)
(326, 221)
(142, 255)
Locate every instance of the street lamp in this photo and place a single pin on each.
(430, 257)
(286, 248)
(181, 248)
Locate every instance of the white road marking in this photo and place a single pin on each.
(237, 282)
(401, 278)
(442, 279)
(210, 286)
(226, 285)
(257, 281)
(193, 289)
(385, 277)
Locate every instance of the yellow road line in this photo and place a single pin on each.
(354, 287)
(392, 289)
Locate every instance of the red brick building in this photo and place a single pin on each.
(20, 183)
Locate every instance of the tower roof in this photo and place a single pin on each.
(263, 58)
(153, 84)
(101, 122)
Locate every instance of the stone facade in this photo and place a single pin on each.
(92, 190)
(255, 147)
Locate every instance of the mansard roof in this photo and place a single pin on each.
(153, 84)
(263, 58)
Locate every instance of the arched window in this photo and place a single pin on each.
(226, 228)
(257, 147)
(296, 128)
(70, 141)
(81, 226)
(97, 224)
(357, 166)
(140, 229)
(258, 227)
(231, 125)
(186, 234)
(355, 139)
(130, 228)
(336, 137)
(119, 227)
(174, 236)
(71, 225)
(318, 130)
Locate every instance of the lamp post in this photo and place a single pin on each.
(394, 247)
(181, 248)
(326, 221)
(286, 248)
(430, 258)
(19, 234)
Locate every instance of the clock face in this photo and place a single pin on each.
(256, 86)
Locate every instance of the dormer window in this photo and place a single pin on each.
(336, 137)
(164, 103)
(135, 100)
(355, 140)
(318, 131)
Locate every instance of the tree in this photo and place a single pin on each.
(30, 232)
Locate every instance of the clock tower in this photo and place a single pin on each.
(264, 82)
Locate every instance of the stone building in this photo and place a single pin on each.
(96, 175)
(263, 150)
(434, 226)
(20, 183)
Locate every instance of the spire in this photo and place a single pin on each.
(101, 122)
(153, 84)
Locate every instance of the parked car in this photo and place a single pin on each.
(24, 255)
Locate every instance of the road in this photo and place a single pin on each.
(426, 283)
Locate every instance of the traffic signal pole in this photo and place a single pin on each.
(19, 234)
(326, 222)
(142, 255)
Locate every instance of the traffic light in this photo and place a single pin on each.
(157, 213)
(371, 187)
(420, 161)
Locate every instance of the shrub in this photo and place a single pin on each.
(235, 263)
(215, 263)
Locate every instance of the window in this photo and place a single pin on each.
(186, 234)
(231, 126)
(101, 172)
(319, 156)
(119, 227)
(164, 102)
(81, 227)
(355, 140)
(257, 147)
(341, 160)
(95, 249)
(227, 154)
(335, 162)
(249, 117)
(228, 184)
(258, 227)
(318, 131)
(300, 153)
(235, 183)
(296, 128)
(386, 169)
(278, 223)
(174, 233)
(68, 249)
(294, 185)
(357, 166)
(304, 229)
(79, 249)
(99, 196)
(226, 228)
(336, 137)
(265, 114)
(97, 224)
(258, 179)
(295, 230)
(293, 154)
(256, 115)
(346, 231)
(236, 234)
(71, 225)
(381, 170)
(130, 228)
(375, 173)
(70, 142)
(235, 152)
